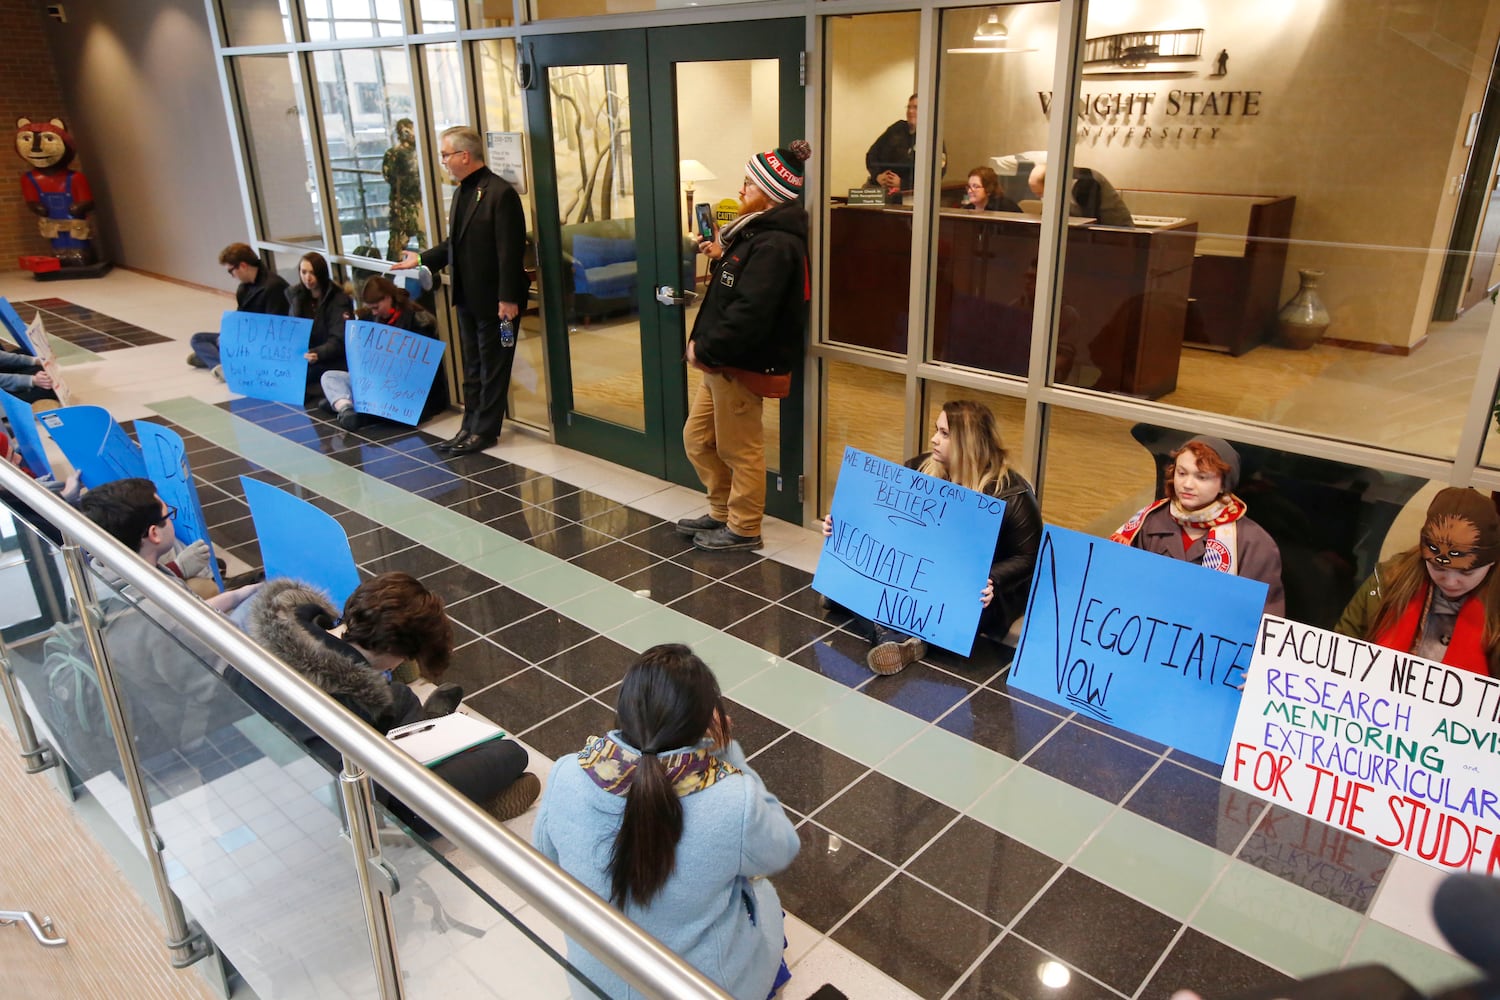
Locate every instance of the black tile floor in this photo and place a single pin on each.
(936, 900)
(86, 328)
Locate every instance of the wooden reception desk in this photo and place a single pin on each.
(1125, 293)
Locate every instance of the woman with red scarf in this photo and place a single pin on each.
(1201, 521)
(1436, 600)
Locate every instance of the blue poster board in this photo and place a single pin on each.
(23, 428)
(16, 329)
(1150, 644)
(909, 551)
(262, 355)
(96, 446)
(390, 370)
(167, 466)
(300, 541)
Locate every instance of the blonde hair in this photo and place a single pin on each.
(976, 453)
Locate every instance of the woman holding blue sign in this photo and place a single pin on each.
(319, 299)
(967, 450)
(1437, 600)
(1201, 521)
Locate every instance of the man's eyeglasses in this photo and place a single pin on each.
(451, 152)
(170, 515)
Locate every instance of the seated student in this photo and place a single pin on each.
(319, 299)
(1201, 521)
(261, 290)
(984, 195)
(1093, 196)
(162, 662)
(967, 450)
(21, 375)
(386, 620)
(388, 303)
(1438, 599)
(665, 819)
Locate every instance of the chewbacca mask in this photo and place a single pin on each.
(1462, 530)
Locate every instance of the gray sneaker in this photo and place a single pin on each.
(721, 539)
(690, 526)
(219, 372)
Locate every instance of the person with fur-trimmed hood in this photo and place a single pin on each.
(1201, 521)
(387, 620)
(747, 340)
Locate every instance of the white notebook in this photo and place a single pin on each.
(432, 741)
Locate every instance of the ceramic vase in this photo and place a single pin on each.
(1304, 319)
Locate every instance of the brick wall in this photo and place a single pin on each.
(28, 89)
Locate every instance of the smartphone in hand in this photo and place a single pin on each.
(703, 221)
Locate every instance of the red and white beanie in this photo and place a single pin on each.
(779, 172)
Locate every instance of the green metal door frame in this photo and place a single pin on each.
(650, 56)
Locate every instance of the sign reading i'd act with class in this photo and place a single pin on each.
(909, 551)
(390, 369)
(262, 355)
(1386, 745)
(1152, 645)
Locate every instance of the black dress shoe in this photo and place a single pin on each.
(452, 442)
(470, 444)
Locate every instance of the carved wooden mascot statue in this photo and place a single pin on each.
(59, 195)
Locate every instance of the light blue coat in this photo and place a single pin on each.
(710, 911)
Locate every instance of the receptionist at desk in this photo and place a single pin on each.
(892, 158)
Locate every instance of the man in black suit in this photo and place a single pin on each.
(485, 248)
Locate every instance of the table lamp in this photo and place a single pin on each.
(689, 171)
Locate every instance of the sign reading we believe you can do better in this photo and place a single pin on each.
(1389, 746)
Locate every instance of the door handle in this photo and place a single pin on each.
(669, 296)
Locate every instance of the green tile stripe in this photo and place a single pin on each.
(71, 354)
(1272, 920)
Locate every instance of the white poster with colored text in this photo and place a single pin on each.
(1396, 749)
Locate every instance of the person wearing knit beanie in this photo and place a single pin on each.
(1202, 521)
(1438, 600)
(747, 340)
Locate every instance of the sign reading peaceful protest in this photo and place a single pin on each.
(1152, 645)
(167, 466)
(300, 541)
(11, 320)
(390, 370)
(1386, 745)
(262, 355)
(909, 551)
(23, 427)
(96, 446)
(41, 347)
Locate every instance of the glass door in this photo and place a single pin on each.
(627, 127)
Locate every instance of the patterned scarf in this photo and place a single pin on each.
(729, 232)
(612, 767)
(1220, 545)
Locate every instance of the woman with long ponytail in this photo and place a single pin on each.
(665, 819)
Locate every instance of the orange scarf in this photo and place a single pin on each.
(1465, 649)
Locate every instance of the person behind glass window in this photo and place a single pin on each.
(665, 819)
(983, 194)
(1093, 196)
(1201, 521)
(892, 158)
(1438, 599)
(967, 450)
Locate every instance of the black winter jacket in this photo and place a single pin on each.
(1015, 551)
(754, 315)
(266, 294)
(328, 315)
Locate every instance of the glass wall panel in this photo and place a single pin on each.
(1223, 192)
(503, 107)
(437, 15)
(256, 22)
(870, 141)
(545, 9)
(863, 408)
(448, 106)
(329, 19)
(363, 94)
(278, 148)
(984, 280)
(491, 13)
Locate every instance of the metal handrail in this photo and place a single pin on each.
(624, 947)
